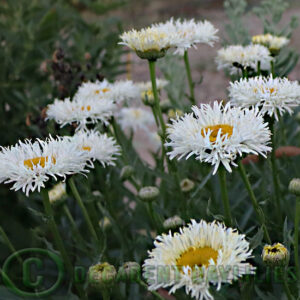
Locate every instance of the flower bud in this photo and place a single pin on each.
(126, 172)
(174, 113)
(102, 275)
(57, 193)
(275, 255)
(187, 185)
(148, 193)
(148, 97)
(173, 222)
(130, 271)
(294, 186)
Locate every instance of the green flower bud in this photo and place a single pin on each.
(276, 255)
(130, 271)
(148, 193)
(173, 222)
(174, 113)
(148, 97)
(294, 186)
(102, 275)
(187, 185)
(126, 172)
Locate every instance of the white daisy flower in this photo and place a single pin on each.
(151, 42)
(273, 96)
(199, 255)
(97, 146)
(236, 57)
(92, 90)
(119, 91)
(218, 134)
(123, 91)
(272, 42)
(135, 118)
(191, 33)
(30, 164)
(81, 111)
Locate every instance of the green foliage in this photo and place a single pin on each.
(31, 32)
(47, 49)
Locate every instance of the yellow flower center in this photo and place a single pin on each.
(88, 108)
(271, 90)
(137, 114)
(275, 249)
(86, 148)
(105, 90)
(33, 162)
(214, 130)
(197, 257)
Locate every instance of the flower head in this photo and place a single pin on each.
(30, 164)
(119, 91)
(151, 42)
(272, 42)
(218, 134)
(198, 255)
(135, 118)
(275, 255)
(191, 33)
(82, 111)
(294, 186)
(97, 146)
(273, 96)
(242, 57)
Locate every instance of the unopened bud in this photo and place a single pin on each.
(148, 97)
(173, 222)
(276, 255)
(130, 271)
(174, 113)
(148, 193)
(126, 172)
(294, 186)
(187, 185)
(57, 193)
(102, 275)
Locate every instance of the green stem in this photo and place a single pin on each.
(296, 236)
(117, 136)
(275, 171)
(58, 239)
(84, 211)
(156, 222)
(105, 294)
(272, 68)
(286, 286)
(225, 198)
(154, 293)
(256, 207)
(9, 244)
(244, 73)
(189, 76)
(157, 109)
(75, 230)
(258, 68)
